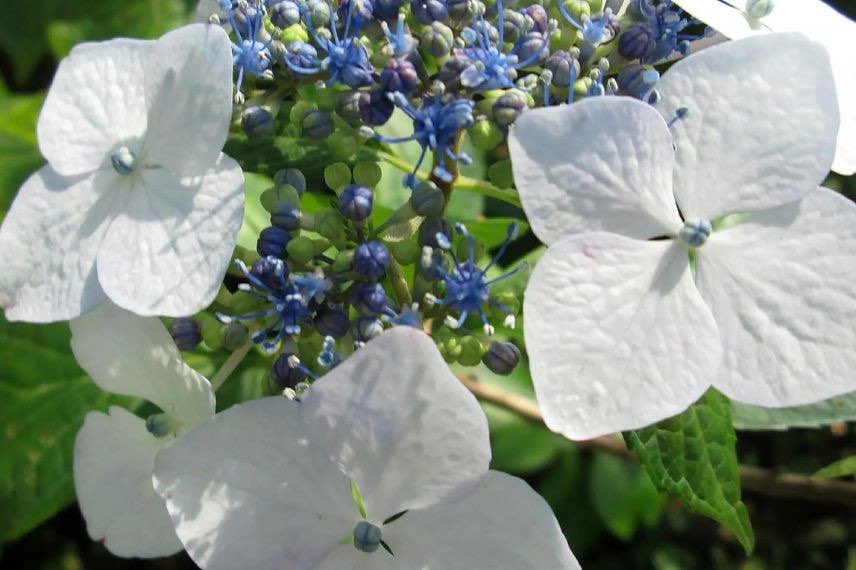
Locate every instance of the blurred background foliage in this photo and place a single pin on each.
(608, 508)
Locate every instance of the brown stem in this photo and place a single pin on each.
(755, 479)
(451, 167)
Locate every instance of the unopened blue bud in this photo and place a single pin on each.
(508, 107)
(234, 335)
(360, 12)
(284, 13)
(186, 333)
(285, 376)
(539, 17)
(564, 67)
(427, 11)
(516, 25)
(331, 321)
(291, 177)
(124, 160)
(375, 107)
(450, 74)
(369, 299)
(427, 199)
(463, 10)
(257, 122)
(272, 241)
(284, 215)
(636, 41)
(501, 357)
(437, 40)
(759, 8)
(300, 54)
(366, 328)
(371, 259)
(160, 425)
(695, 232)
(355, 202)
(387, 9)
(367, 537)
(399, 75)
(319, 12)
(269, 270)
(317, 124)
(429, 230)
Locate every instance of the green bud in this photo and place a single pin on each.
(210, 330)
(316, 124)
(343, 144)
(437, 40)
(295, 116)
(331, 225)
(337, 176)
(578, 9)
(406, 252)
(327, 98)
(367, 173)
(508, 299)
(450, 349)
(427, 199)
(343, 261)
(303, 249)
(280, 193)
(292, 177)
(294, 33)
(500, 174)
(348, 107)
(471, 352)
(485, 134)
(234, 335)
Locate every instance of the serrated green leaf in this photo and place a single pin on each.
(43, 398)
(692, 457)
(623, 496)
(834, 410)
(843, 468)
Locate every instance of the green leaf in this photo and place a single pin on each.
(43, 398)
(623, 495)
(844, 468)
(834, 410)
(692, 457)
(494, 231)
(19, 152)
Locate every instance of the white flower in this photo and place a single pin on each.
(619, 330)
(137, 203)
(114, 454)
(267, 484)
(811, 17)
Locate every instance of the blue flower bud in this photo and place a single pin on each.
(317, 124)
(160, 425)
(508, 107)
(360, 13)
(371, 259)
(564, 67)
(330, 321)
(633, 81)
(284, 13)
(636, 41)
(366, 328)
(429, 230)
(437, 40)
(319, 12)
(539, 17)
(234, 335)
(284, 215)
(272, 241)
(300, 54)
(270, 271)
(695, 232)
(501, 357)
(257, 122)
(186, 333)
(291, 177)
(124, 160)
(450, 74)
(285, 376)
(375, 107)
(464, 10)
(515, 26)
(427, 199)
(399, 75)
(367, 537)
(348, 107)
(369, 299)
(387, 9)
(533, 48)
(355, 202)
(427, 11)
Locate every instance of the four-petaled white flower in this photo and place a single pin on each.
(621, 330)
(114, 454)
(741, 18)
(137, 203)
(267, 484)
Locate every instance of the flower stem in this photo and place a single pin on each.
(399, 283)
(231, 364)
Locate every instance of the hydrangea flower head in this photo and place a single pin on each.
(137, 203)
(741, 18)
(114, 453)
(621, 328)
(274, 483)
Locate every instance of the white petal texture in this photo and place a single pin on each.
(600, 164)
(266, 484)
(781, 288)
(817, 20)
(188, 83)
(135, 356)
(754, 137)
(617, 334)
(49, 242)
(247, 490)
(114, 454)
(95, 104)
(502, 524)
(113, 459)
(167, 252)
(399, 423)
(136, 184)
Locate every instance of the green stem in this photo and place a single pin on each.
(399, 283)
(231, 364)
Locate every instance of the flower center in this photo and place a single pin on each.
(759, 8)
(160, 425)
(367, 536)
(695, 232)
(124, 160)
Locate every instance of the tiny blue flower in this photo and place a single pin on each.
(371, 259)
